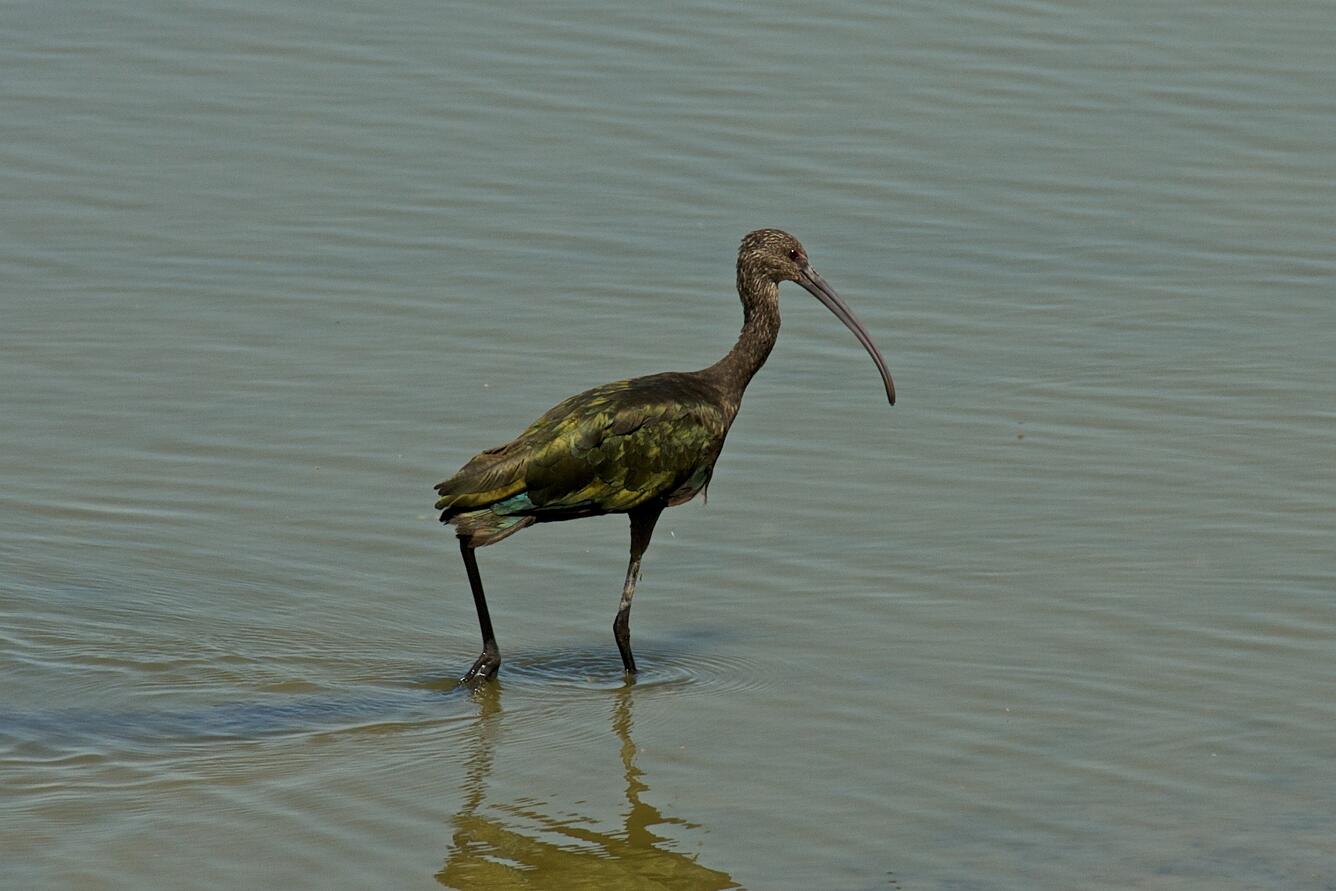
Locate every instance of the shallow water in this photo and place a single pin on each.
(1063, 617)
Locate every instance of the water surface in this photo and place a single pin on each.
(1061, 618)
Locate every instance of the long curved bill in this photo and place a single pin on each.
(818, 288)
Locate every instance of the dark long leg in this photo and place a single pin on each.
(643, 519)
(490, 660)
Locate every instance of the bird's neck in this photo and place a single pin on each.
(760, 329)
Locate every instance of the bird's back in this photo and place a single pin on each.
(606, 450)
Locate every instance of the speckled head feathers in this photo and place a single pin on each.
(771, 255)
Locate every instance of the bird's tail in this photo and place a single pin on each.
(490, 523)
(486, 526)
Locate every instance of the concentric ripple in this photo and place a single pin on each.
(573, 671)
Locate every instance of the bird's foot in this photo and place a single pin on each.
(484, 668)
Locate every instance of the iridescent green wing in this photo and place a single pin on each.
(490, 476)
(618, 446)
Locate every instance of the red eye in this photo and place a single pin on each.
(793, 254)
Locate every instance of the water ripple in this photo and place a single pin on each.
(573, 672)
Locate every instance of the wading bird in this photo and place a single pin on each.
(634, 446)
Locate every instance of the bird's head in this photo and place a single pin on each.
(770, 256)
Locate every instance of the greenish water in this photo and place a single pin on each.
(1061, 618)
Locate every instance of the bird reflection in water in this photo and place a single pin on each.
(514, 846)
